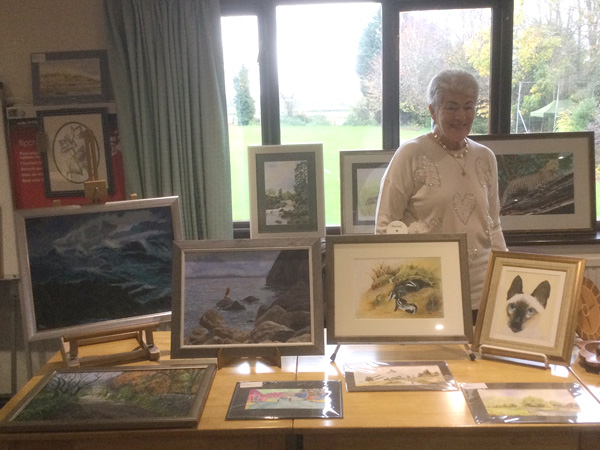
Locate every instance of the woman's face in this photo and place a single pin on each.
(454, 118)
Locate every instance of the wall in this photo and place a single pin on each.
(34, 26)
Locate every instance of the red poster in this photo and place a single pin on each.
(27, 171)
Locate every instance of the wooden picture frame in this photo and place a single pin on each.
(286, 400)
(247, 295)
(88, 268)
(522, 403)
(361, 172)
(65, 78)
(398, 288)
(530, 306)
(119, 398)
(286, 191)
(75, 149)
(379, 376)
(538, 176)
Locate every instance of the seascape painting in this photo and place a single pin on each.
(247, 297)
(398, 288)
(100, 266)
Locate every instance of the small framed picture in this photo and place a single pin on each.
(286, 400)
(546, 181)
(248, 296)
(286, 190)
(361, 172)
(530, 306)
(516, 403)
(397, 288)
(124, 398)
(76, 149)
(64, 78)
(399, 376)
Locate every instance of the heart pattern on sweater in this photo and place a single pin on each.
(428, 173)
(464, 206)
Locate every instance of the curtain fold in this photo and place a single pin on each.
(166, 66)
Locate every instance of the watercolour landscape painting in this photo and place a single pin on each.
(125, 398)
(400, 376)
(286, 400)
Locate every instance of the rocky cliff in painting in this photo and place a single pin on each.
(286, 319)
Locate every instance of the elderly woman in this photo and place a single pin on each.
(443, 182)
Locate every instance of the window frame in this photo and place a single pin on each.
(500, 61)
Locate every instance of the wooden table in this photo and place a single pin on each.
(372, 420)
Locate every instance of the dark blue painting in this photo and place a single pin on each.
(100, 266)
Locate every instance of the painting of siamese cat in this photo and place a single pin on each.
(522, 308)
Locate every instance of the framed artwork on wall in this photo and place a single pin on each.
(530, 306)
(397, 288)
(96, 267)
(286, 190)
(247, 295)
(76, 149)
(123, 398)
(64, 78)
(361, 172)
(546, 181)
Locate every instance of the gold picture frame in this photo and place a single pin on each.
(530, 306)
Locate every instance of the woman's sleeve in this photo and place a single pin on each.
(396, 187)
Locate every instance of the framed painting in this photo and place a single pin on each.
(75, 149)
(286, 191)
(397, 288)
(361, 172)
(538, 177)
(530, 306)
(63, 78)
(95, 267)
(248, 296)
(120, 398)
(286, 400)
(531, 403)
(399, 376)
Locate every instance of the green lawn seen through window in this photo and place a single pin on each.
(333, 138)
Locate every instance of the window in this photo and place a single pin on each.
(556, 69)
(240, 52)
(353, 74)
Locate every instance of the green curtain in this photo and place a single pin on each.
(166, 65)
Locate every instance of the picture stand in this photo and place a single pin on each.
(472, 355)
(95, 190)
(502, 351)
(228, 355)
(71, 343)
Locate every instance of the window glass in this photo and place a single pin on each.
(434, 40)
(556, 68)
(329, 82)
(240, 51)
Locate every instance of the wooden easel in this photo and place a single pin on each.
(70, 344)
(527, 357)
(227, 355)
(95, 189)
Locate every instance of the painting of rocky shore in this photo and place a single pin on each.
(249, 297)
